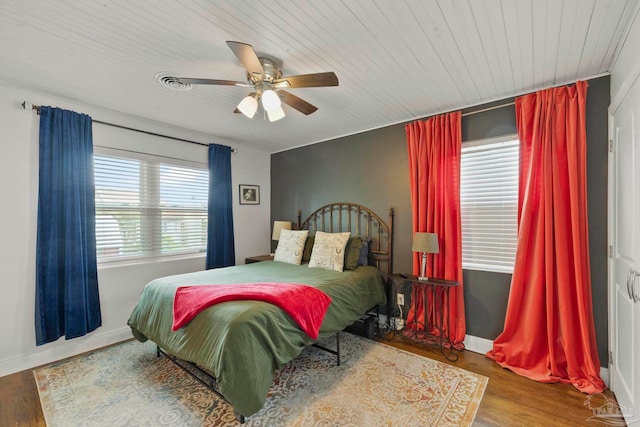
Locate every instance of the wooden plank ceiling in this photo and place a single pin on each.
(396, 60)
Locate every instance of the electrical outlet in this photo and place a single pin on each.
(400, 299)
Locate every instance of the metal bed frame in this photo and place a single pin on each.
(331, 218)
(360, 221)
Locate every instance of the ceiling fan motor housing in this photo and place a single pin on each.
(265, 81)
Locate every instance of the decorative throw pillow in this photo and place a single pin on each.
(352, 253)
(328, 250)
(290, 246)
(364, 253)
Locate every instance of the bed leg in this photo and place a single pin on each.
(239, 417)
(338, 347)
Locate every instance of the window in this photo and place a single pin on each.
(148, 206)
(489, 203)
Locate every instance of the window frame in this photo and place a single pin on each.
(487, 265)
(150, 218)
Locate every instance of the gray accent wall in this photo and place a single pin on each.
(598, 100)
(371, 168)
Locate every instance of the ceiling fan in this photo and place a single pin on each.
(265, 77)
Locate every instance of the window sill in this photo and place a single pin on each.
(151, 260)
(489, 269)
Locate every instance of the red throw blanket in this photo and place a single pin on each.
(305, 304)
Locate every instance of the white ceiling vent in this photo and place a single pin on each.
(167, 80)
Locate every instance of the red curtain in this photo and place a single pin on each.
(434, 170)
(549, 334)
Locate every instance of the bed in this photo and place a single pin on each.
(243, 343)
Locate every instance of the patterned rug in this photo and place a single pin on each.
(376, 385)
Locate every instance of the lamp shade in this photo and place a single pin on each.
(248, 106)
(275, 115)
(278, 226)
(425, 242)
(270, 100)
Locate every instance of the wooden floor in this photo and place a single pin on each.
(509, 400)
(512, 400)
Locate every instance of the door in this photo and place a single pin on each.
(624, 289)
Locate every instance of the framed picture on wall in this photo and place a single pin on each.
(249, 194)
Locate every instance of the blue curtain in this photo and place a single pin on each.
(67, 301)
(220, 247)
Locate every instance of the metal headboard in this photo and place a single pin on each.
(360, 221)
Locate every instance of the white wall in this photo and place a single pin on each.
(121, 285)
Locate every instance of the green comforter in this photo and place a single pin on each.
(244, 342)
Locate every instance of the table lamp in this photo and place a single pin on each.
(425, 243)
(277, 227)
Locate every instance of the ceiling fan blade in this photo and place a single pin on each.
(247, 57)
(309, 80)
(197, 81)
(298, 103)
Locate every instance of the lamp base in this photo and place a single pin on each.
(423, 266)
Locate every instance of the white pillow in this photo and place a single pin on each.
(328, 250)
(291, 246)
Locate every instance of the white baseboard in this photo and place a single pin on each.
(52, 352)
(604, 374)
(477, 344)
(471, 343)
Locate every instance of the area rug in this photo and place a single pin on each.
(376, 385)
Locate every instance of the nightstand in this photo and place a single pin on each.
(423, 328)
(258, 258)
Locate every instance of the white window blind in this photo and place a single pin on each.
(489, 204)
(148, 206)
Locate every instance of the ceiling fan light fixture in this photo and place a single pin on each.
(271, 101)
(248, 106)
(275, 115)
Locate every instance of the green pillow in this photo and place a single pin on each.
(352, 252)
(308, 247)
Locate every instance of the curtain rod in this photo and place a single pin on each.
(495, 107)
(25, 105)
